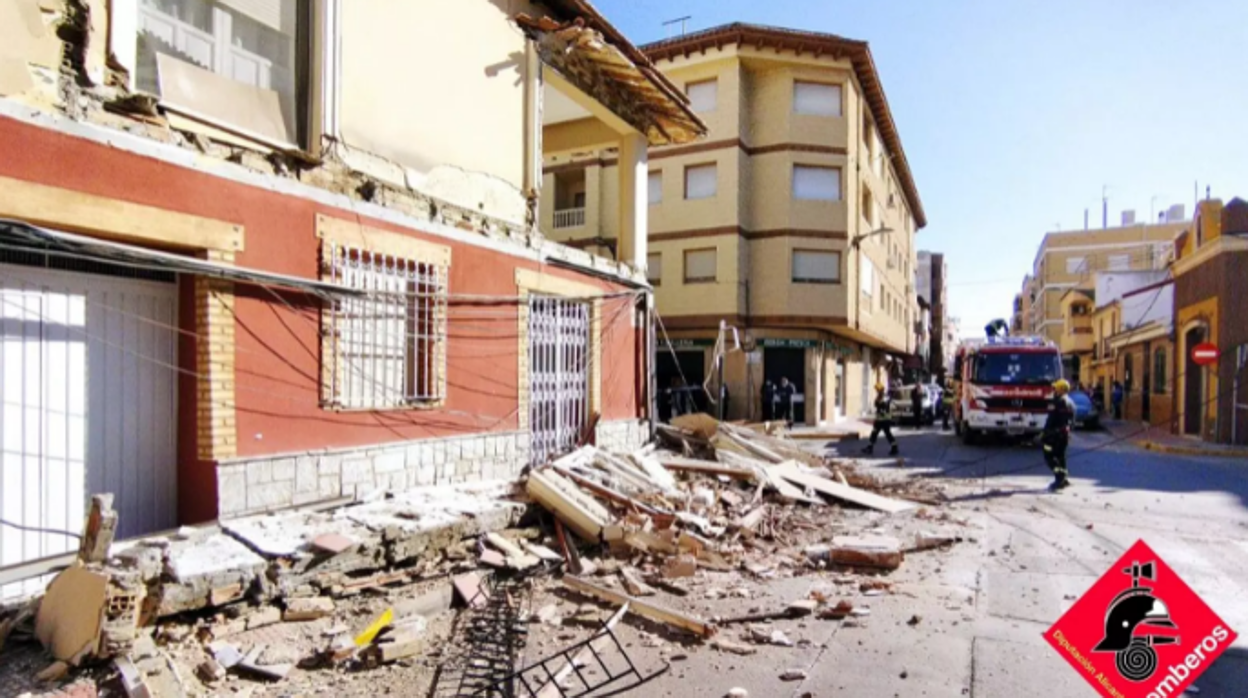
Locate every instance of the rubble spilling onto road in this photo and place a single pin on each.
(711, 511)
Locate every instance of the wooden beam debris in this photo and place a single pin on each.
(647, 610)
(791, 472)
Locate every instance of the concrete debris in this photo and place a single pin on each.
(210, 671)
(308, 609)
(469, 590)
(737, 693)
(680, 566)
(97, 538)
(633, 583)
(733, 648)
(793, 675)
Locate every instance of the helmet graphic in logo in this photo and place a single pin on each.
(1131, 616)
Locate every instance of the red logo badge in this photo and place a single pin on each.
(1140, 631)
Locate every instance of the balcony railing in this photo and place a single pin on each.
(570, 218)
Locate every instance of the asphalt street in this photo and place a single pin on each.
(983, 605)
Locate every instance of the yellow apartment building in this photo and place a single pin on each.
(1070, 259)
(794, 221)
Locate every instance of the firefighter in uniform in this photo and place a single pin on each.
(1056, 435)
(946, 400)
(883, 421)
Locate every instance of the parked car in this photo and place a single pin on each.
(903, 405)
(1087, 415)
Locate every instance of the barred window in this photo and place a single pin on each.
(386, 348)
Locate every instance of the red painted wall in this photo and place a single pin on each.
(277, 354)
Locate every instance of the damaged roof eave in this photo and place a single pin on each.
(603, 72)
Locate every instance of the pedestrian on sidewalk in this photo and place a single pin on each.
(1056, 435)
(1116, 399)
(785, 394)
(946, 404)
(883, 421)
(769, 401)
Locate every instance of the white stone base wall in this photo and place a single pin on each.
(623, 435)
(268, 483)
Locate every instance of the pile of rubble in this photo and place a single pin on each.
(718, 497)
(302, 599)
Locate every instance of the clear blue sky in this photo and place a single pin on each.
(1014, 113)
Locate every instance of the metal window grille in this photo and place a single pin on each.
(558, 374)
(388, 346)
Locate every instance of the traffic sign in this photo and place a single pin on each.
(1205, 354)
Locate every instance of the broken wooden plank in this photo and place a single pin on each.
(541, 552)
(573, 507)
(787, 490)
(642, 608)
(517, 558)
(790, 471)
(661, 518)
(882, 552)
(691, 465)
(551, 689)
(634, 584)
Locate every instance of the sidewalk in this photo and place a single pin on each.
(846, 430)
(1155, 438)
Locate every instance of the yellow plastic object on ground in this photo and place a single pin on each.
(378, 625)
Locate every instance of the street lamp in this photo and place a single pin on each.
(856, 243)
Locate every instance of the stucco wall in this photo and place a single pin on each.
(438, 87)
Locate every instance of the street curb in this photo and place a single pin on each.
(1189, 450)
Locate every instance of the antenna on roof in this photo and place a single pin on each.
(679, 20)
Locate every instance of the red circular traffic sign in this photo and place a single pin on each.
(1205, 354)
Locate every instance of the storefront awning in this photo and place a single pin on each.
(24, 237)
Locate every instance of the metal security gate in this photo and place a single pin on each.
(558, 374)
(88, 381)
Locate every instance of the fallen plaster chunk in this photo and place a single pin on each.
(68, 623)
(210, 569)
(308, 609)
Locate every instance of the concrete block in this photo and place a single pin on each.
(259, 472)
(283, 469)
(356, 470)
(388, 462)
(302, 498)
(231, 491)
(439, 453)
(329, 465)
(271, 495)
(306, 474)
(412, 455)
(425, 475)
(330, 487)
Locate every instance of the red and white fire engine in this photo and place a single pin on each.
(1004, 385)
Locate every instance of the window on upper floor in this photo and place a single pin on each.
(816, 267)
(811, 183)
(816, 99)
(1119, 262)
(239, 63)
(654, 187)
(701, 181)
(1076, 265)
(700, 265)
(703, 95)
(1159, 371)
(866, 282)
(868, 208)
(654, 268)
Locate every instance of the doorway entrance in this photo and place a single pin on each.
(1193, 382)
(679, 381)
(788, 363)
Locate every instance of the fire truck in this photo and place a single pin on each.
(1003, 386)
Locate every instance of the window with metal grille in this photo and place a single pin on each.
(386, 348)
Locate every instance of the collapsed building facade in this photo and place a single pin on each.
(256, 255)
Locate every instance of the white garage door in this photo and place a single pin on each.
(89, 387)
